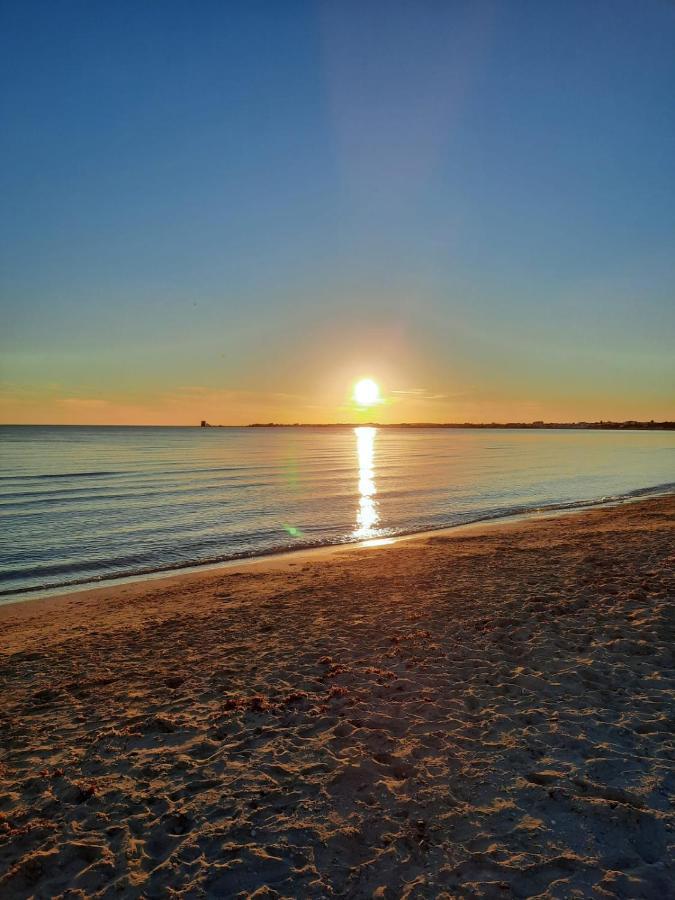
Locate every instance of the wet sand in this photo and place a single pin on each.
(479, 713)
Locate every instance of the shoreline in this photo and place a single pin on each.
(535, 514)
(466, 714)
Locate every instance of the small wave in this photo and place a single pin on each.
(140, 571)
(666, 488)
(44, 477)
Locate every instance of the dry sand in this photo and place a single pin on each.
(486, 713)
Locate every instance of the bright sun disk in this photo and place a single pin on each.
(366, 392)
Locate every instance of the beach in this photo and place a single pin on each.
(481, 712)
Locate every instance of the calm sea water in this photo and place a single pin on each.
(82, 504)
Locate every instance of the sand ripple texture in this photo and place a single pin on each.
(484, 714)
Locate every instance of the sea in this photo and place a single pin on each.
(81, 505)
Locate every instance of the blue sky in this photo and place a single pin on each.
(232, 210)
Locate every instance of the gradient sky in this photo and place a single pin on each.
(233, 210)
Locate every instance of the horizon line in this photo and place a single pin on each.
(538, 423)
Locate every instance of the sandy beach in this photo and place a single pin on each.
(478, 713)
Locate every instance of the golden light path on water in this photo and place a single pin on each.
(367, 516)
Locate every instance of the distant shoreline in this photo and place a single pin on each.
(513, 426)
(579, 426)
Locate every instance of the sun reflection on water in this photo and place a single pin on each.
(366, 516)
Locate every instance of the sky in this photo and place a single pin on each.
(233, 211)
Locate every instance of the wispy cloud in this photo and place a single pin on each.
(419, 394)
(411, 391)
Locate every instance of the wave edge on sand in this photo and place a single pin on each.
(494, 515)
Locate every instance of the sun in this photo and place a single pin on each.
(366, 392)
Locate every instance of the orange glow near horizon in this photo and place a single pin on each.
(326, 396)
